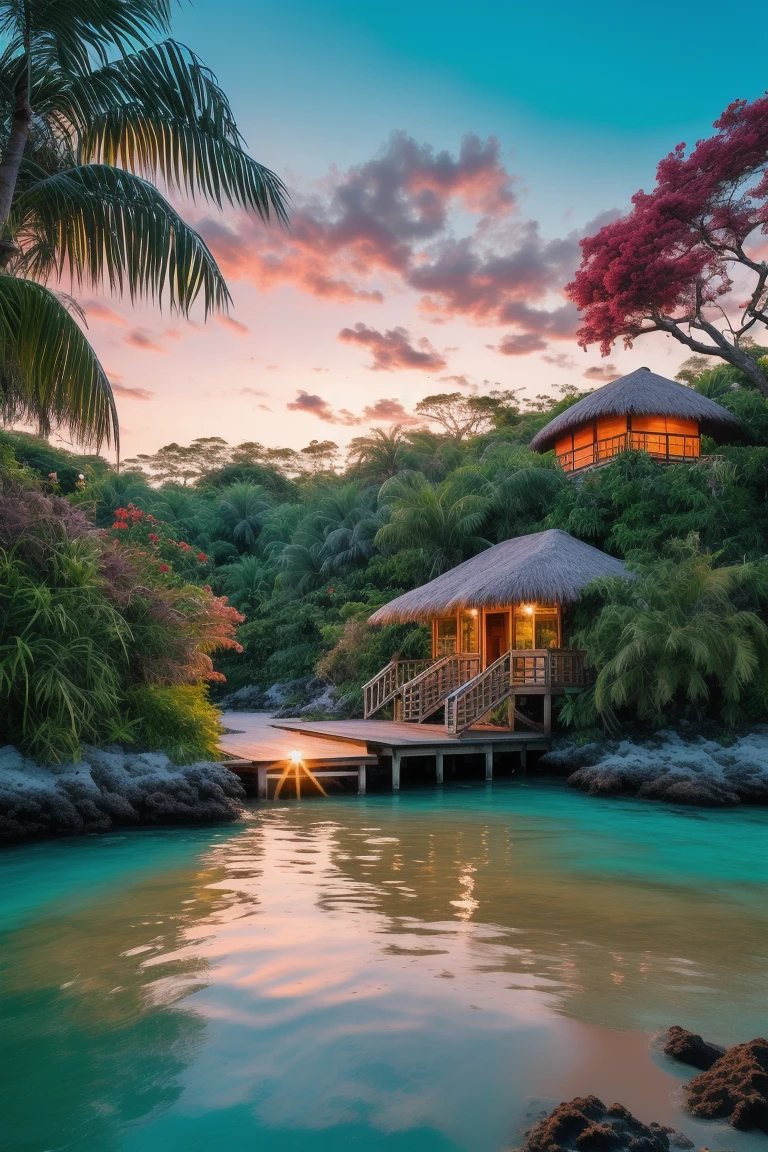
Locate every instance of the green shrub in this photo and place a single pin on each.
(180, 721)
(63, 652)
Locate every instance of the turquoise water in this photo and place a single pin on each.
(425, 971)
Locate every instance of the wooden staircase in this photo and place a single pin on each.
(542, 669)
(427, 692)
(386, 684)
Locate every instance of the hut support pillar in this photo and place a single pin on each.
(439, 767)
(511, 712)
(395, 770)
(261, 782)
(489, 763)
(361, 780)
(523, 760)
(548, 712)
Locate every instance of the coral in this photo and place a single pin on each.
(735, 1088)
(690, 1048)
(584, 1124)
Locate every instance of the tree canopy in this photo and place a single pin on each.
(671, 263)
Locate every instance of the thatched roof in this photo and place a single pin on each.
(549, 567)
(641, 393)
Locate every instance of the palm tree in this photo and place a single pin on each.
(381, 454)
(684, 632)
(242, 510)
(96, 101)
(442, 520)
(248, 582)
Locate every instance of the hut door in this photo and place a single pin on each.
(496, 636)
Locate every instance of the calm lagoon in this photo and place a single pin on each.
(424, 971)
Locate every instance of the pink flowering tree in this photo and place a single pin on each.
(671, 264)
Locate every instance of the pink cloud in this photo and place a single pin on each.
(144, 341)
(393, 350)
(520, 344)
(560, 360)
(234, 325)
(462, 381)
(250, 392)
(389, 411)
(385, 411)
(603, 374)
(316, 406)
(130, 393)
(98, 311)
(390, 223)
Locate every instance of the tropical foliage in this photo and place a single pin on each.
(687, 638)
(306, 553)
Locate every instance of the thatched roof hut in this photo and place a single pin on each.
(640, 393)
(549, 567)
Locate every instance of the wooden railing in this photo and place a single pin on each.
(386, 684)
(425, 693)
(667, 446)
(478, 696)
(545, 668)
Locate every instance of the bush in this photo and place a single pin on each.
(180, 720)
(685, 639)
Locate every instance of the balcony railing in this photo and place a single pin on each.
(670, 447)
(515, 671)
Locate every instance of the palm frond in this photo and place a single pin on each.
(102, 224)
(48, 370)
(74, 30)
(161, 111)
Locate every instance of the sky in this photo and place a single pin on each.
(443, 161)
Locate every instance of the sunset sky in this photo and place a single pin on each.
(443, 160)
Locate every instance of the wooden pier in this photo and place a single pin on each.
(261, 752)
(261, 747)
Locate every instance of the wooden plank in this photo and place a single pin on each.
(252, 737)
(398, 734)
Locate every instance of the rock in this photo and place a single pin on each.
(735, 1088)
(669, 768)
(689, 1048)
(584, 1124)
(110, 788)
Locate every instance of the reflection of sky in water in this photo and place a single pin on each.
(423, 971)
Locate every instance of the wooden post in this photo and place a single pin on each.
(395, 770)
(548, 712)
(261, 783)
(361, 780)
(489, 763)
(439, 767)
(511, 712)
(397, 708)
(523, 760)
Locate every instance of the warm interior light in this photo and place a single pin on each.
(296, 757)
(473, 611)
(529, 609)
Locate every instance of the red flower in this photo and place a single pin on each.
(185, 546)
(202, 557)
(164, 568)
(330, 591)
(154, 537)
(121, 513)
(119, 524)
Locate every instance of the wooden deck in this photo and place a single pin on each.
(261, 747)
(261, 752)
(399, 740)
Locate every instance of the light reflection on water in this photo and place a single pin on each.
(423, 971)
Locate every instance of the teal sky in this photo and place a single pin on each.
(584, 100)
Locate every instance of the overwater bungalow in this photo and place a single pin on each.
(499, 632)
(641, 411)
